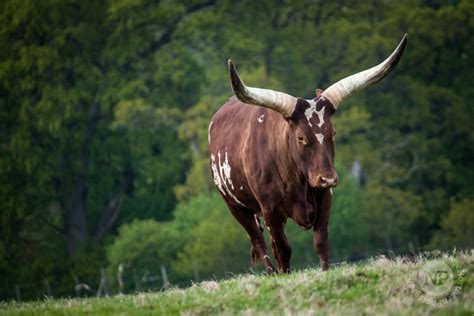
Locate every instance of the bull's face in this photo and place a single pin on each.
(311, 140)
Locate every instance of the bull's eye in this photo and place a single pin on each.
(301, 140)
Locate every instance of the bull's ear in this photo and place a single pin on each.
(318, 92)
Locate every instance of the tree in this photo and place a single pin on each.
(142, 247)
(456, 227)
(214, 242)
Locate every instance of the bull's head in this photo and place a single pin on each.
(312, 135)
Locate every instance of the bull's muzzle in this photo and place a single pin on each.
(325, 182)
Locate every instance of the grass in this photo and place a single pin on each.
(379, 286)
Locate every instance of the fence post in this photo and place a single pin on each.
(411, 247)
(77, 285)
(17, 293)
(48, 288)
(164, 276)
(119, 278)
(224, 265)
(195, 270)
(136, 280)
(103, 284)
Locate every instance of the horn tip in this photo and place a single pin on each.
(405, 38)
(230, 63)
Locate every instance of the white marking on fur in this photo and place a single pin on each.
(217, 179)
(257, 221)
(320, 138)
(260, 118)
(224, 172)
(268, 227)
(209, 133)
(320, 114)
(309, 113)
(241, 187)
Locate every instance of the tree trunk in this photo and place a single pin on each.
(75, 222)
(110, 211)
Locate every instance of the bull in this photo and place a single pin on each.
(272, 156)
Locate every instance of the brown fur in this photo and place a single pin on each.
(276, 169)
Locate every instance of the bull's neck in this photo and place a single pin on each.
(289, 167)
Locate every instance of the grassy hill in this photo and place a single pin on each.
(379, 286)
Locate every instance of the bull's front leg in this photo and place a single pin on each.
(280, 245)
(321, 244)
(321, 234)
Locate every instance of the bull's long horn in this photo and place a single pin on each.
(344, 87)
(278, 101)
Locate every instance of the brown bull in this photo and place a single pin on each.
(272, 156)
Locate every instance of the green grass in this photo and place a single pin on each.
(380, 286)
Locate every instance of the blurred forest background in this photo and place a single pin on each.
(104, 108)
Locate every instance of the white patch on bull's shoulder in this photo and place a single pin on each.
(260, 118)
(311, 110)
(217, 179)
(209, 133)
(320, 138)
(224, 172)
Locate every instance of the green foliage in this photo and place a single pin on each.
(456, 226)
(143, 244)
(215, 243)
(142, 247)
(349, 220)
(187, 246)
(104, 110)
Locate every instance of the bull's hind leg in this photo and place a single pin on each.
(250, 223)
(321, 235)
